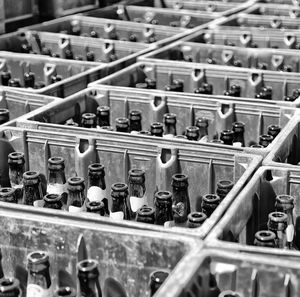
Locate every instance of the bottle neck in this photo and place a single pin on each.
(119, 205)
(96, 180)
(170, 129)
(16, 173)
(203, 131)
(89, 287)
(76, 198)
(103, 120)
(56, 176)
(238, 137)
(181, 204)
(32, 193)
(41, 278)
(163, 212)
(135, 125)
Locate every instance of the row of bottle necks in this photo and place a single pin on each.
(129, 201)
(39, 281)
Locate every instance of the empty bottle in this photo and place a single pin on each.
(234, 91)
(97, 207)
(5, 78)
(88, 276)
(4, 115)
(14, 82)
(137, 189)
(53, 201)
(175, 86)
(122, 125)
(156, 280)
(227, 137)
(170, 125)
(8, 195)
(29, 79)
(146, 214)
(205, 88)
(135, 120)
(103, 116)
(265, 139)
(213, 290)
(202, 124)
(39, 280)
(157, 129)
(96, 182)
(163, 207)
(10, 287)
(76, 197)
(274, 130)
(16, 163)
(238, 129)
(196, 219)
(32, 194)
(65, 292)
(119, 209)
(209, 203)
(88, 120)
(192, 133)
(265, 238)
(277, 223)
(223, 188)
(181, 201)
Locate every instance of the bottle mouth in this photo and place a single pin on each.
(158, 277)
(4, 111)
(38, 257)
(180, 177)
(225, 184)
(104, 109)
(95, 205)
(265, 235)
(144, 132)
(197, 217)
(6, 192)
(31, 175)
(266, 137)
(135, 113)
(9, 284)
(119, 187)
(52, 198)
(170, 118)
(202, 122)
(278, 217)
(157, 125)
(274, 128)
(16, 155)
(211, 198)
(146, 210)
(96, 167)
(163, 195)
(227, 133)
(285, 199)
(56, 161)
(229, 293)
(88, 265)
(136, 172)
(75, 181)
(66, 291)
(122, 122)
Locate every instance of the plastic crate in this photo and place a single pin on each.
(249, 211)
(193, 74)
(128, 256)
(220, 111)
(285, 152)
(57, 8)
(105, 28)
(247, 274)
(158, 157)
(19, 103)
(116, 54)
(76, 74)
(289, 2)
(292, 11)
(272, 59)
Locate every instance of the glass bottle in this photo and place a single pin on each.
(176, 86)
(97, 207)
(14, 82)
(53, 201)
(96, 182)
(157, 129)
(196, 219)
(209, 203)
(16, 163)
(5, 78)
(88, 276)
(76, 197)
(181, 201)
(29, 79)
(146, 214)
(4, 115)
(65, 292)
(227, 137)
(39, 280)
(238, 129)
(234, 91)
(69, 54)
(8, 195)
(10, 287)
(223, 188)
(170, 125)
(56, 78)
(135, 120)
(122, 125)
(163, 207)
(151, 83)
(265, 139)
(137, 189)
(32, 194)
(120, 209)
(274, 130)
(88, 120)
(103, 116)
(156, 280)
(192, 133)
(277, 223)
(202, 124)
(265, 238)
(90, 56)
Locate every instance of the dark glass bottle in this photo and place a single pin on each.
(170, 125)
(151, 83)
(5, 78)
(8, 195)
(4, 115)
(146, 214)
(157, 129)
(76, 197)
(90, 56)
(29, 79)
(209, 203)
(32, 188)
(265, 238)
(277, 223)
(163, 207)
(135, 120)
(181, 201)
(56, 78)
(274, 130)
(96, 182)
(10, 287)
(205, 88)
(14, 82)
(156, 280)
(120, 209)
(16, 163)
(265, 139)
(88, 120)
(69, 54)
(65, 292)
(175, 86)
(137, 189)
(196, 219)
(53, 201)
(202, 124)
(88, 276)
(238, 129)
(97, 207)
(39, 280)
(122, 125)
(234, 91)
(227, 137)
(103, 116)
(223, 188)
(192, 133)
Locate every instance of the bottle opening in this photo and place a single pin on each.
(164, 195)
(30, 175)
(96, 167)
(211, 198)
(56, 160)
(285, 199)
(159, 276)
(7, 282)
(6, 190)
(95, 203)
(88, 265)
(136, 172)
(67, 291)
(16, 155)
(38, 257)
